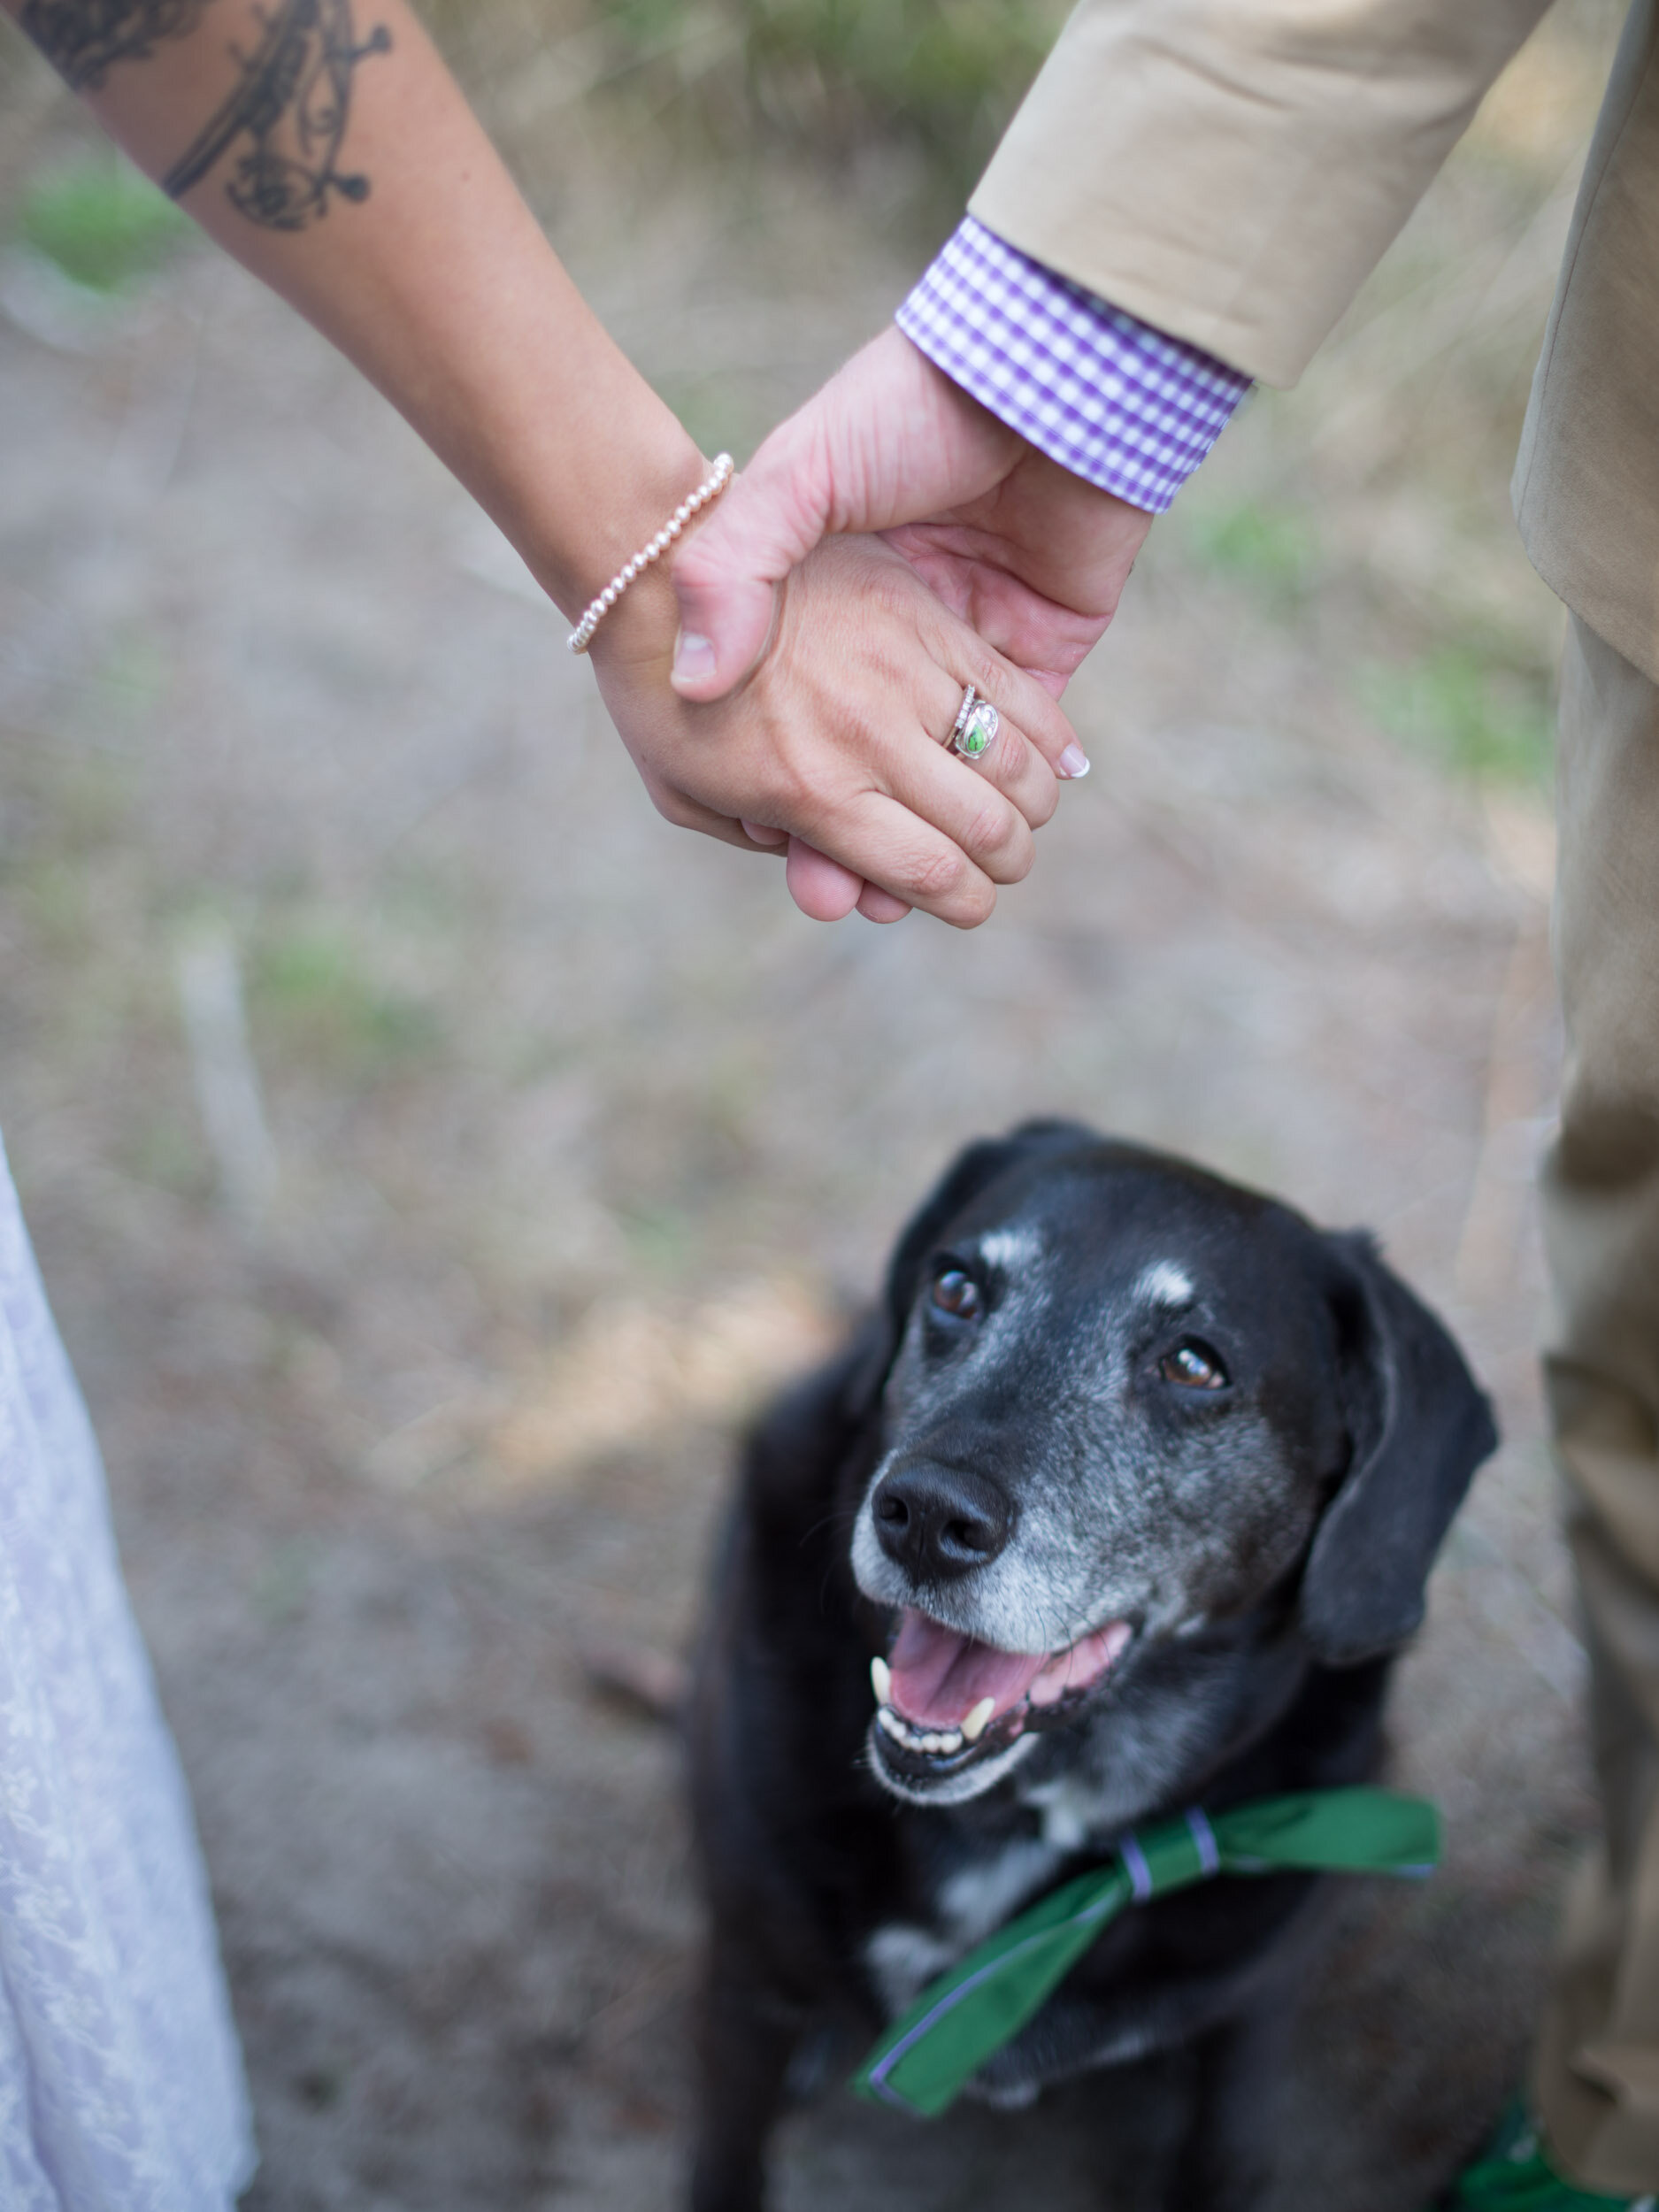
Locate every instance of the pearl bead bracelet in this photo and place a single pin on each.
(712, 485)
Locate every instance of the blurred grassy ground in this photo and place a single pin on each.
(430, 1155)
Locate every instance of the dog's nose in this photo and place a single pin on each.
(939, 1522)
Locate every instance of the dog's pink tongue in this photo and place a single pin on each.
(939, 1677)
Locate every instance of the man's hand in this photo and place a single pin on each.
(1030, 556)
(835, 738)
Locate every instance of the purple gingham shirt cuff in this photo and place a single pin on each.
(1125, 406)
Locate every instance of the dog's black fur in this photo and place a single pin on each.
(1267, 1538)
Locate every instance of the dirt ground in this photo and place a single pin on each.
(430, 1155)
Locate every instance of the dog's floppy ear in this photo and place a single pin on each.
(1420, 1427)
(974, 1170)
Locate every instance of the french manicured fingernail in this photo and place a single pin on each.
(694, 657)
(1074, 762)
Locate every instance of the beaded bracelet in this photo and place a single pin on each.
(712, 485)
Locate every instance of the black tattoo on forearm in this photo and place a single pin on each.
(83, 39)
(289, 111)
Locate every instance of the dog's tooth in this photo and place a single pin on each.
(891, 1722)
(979, 1719)
(881, 1681)
(952, 1740)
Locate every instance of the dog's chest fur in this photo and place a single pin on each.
(903, 1955)
(972, 1871)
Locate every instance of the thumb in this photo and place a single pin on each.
(727, 577)
(889, 439)
(821, 888)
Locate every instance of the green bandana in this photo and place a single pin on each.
(957, 2021)
(1513, 2174)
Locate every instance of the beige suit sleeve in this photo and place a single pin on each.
(1232, 169)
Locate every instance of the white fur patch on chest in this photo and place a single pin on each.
(1071, 1813)
(902, 1958)
(977, 1900)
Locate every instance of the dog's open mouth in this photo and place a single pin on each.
(943, 1699)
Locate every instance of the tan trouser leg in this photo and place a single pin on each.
(1598, 2069)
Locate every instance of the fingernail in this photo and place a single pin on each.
(1074, 762)
(694, 657)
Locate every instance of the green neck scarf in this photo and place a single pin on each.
(958, 2021)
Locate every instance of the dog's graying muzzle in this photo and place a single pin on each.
(939, 1522)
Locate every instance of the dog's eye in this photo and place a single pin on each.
(957, 1293)
(1193, 1365)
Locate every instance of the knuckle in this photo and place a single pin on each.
(698, 564)
(937, 874)
(1013, 864)
(976, 905)
(688, 563)
(989, 676)
(890, 590)
(995, 830)
(785, 794)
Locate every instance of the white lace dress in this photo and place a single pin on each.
(120, 2081)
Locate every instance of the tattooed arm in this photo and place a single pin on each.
(324, 144)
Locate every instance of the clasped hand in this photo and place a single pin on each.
(887, 545)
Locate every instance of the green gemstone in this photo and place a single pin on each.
(979, 730)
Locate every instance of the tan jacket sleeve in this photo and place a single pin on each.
(1232, 169)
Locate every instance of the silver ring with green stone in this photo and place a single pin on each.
(976, 726)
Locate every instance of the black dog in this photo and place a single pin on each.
(1130, 1492)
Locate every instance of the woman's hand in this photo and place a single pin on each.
(1031, 555)
(835, 741)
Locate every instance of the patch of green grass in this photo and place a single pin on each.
(660, 1238)
(53, 891)
(99, 221)
(1477, 715)
(1273, 549)
(123, 689)
(308, 990)
(162, 1150)
(281, 1586)
(133, 673)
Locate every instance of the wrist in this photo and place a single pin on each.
(641, 563)
(593, 522)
